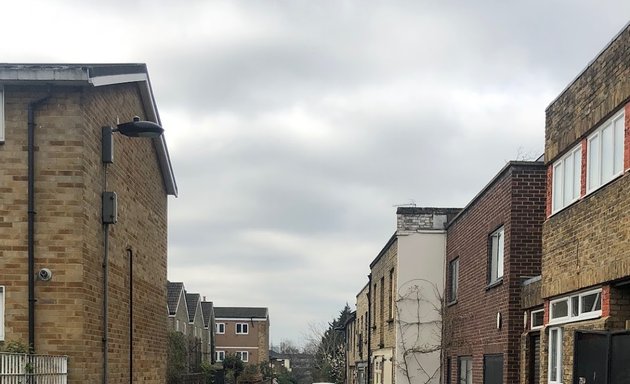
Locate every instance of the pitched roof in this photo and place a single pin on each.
(96, 75)
(207, 310)
(240, 312)
(192, 300)
(174, 291)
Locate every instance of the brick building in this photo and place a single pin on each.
(586, 237)
(358, 359)
(398, 312)
(242, 331)
(108, 320)
(492, 247)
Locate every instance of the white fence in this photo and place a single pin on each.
(18, 368)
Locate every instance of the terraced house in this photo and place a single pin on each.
(586, 237)
(83, 219)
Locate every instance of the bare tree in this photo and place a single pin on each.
(419, 309)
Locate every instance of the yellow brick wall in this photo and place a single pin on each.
(69, 234)
(384, 333)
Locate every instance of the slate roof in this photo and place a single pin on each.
(174, 290)
(240, 312)
(207, 309)
(192, 299)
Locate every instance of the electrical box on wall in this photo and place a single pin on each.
(110, 208)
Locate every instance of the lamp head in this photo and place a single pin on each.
(137, 128)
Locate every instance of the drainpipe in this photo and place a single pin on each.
(32, 106)
(130, 254)
(369, 337)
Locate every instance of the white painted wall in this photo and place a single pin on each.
(420, 283)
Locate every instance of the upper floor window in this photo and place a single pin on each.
(496, 255)
(220, 328)
(605, 152)
(242, 328)
(567, 178)
(1, 313)
(579, 306)
(453, 277)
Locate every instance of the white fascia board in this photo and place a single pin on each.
(118, 79)
(246, 319)
(236, 347)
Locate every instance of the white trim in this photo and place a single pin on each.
(245, 354)
(2, 291)
(558, 360)
(598, 134)
(2, 116)
(581, 315)
(252, 348)
(216, 356)
(245, 319)
(216, 325)
(118, 79)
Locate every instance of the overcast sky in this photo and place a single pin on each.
(296, 127)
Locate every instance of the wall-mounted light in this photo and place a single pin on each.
(135, 128)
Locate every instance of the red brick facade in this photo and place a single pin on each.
(487, 319)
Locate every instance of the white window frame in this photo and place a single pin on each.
(559, 168)
(219, 356)
(2, 313)
(618, 141)
(581, 313)
(531, 319)
(220, 328)
(243, 355)
(1, 116)
(244, 328)
(468, 379)
(497, 255)
(554, 376)
(453, 280)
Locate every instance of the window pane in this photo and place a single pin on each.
(618, 159)
(575, 306)
(607, 153)
(591, 302)
(577, 172)
(553, 355)
(568, 180)
(593, 162)
(560, 309)
(556, 189)
(500, 245)
(538, 318)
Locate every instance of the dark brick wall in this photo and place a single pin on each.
(516, 201)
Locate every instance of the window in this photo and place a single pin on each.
(537, 319)
(453, 278)
(567, 178)
(392, 291)
(243, 355)
(1, 139)
(496, 255)
(580, 306)
(220, 356)
(465, 370)
(220, 328)
(448, 370)
(605, 152)
(242, 328)
(177, 325)
(378, 372)
(555, 356)
(1, 313)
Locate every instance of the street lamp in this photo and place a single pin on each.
(135, 128)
